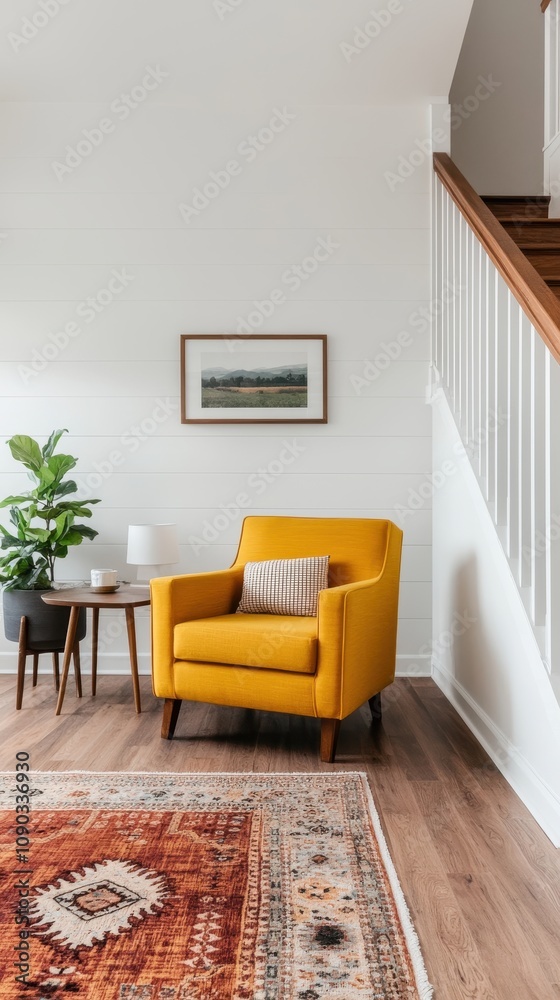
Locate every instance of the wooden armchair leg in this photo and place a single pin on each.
(375, 705)
(329, 735)
(171, 709)
(35, 669)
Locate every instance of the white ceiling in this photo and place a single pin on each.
(260, 52)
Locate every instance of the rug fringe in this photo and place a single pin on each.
(425, 988)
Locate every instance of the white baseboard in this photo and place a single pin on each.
(535, 794)
(414, 666)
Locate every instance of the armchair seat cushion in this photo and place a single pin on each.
(271, 642)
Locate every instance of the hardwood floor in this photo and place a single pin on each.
(481, 879)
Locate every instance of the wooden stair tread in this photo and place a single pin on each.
(508, 206)
(500, 199)
(546, 248)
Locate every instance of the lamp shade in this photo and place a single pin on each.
(152, 545)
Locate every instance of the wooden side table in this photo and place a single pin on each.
(83, 597)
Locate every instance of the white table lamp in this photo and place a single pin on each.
(152, 548)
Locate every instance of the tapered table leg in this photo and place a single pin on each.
(77, 670)
(131, 629)
(56, 671)
(68, 650)
(94, 635)
(22, 651)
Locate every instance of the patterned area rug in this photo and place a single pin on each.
(199, 886)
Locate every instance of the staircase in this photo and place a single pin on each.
(496, 515)
(525, 219)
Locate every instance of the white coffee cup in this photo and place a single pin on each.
(104, 577)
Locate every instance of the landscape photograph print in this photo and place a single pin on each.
(261, 381)
(249, 378)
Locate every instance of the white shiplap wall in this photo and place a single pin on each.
(115, 385)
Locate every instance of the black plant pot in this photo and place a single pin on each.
(46, 624)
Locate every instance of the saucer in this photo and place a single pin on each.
(105, 590)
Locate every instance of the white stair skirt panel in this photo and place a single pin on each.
(486, 657)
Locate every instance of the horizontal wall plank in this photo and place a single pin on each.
(303, 207)
(134, 416)
(202, 139)
(184, 282)
(150, 330)
(134, 209)
(274, 490)
(160, 454)
(209, 246)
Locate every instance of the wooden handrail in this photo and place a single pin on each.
(544, 4)
(531, 291)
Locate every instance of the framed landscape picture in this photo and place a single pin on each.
(252, 380)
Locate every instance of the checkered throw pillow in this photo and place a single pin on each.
(284, 586)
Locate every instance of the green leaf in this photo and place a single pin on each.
(70, 537)
(63, 489)
(85, 530)
(25, 450)
(41, 534)
(15, 499)
(52, 442)
(59, 465)
(8, 540)
(46, 478)
(75, 506)
(61, 521)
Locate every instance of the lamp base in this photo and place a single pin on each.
(146, 573)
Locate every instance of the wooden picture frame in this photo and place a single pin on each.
(254, 379)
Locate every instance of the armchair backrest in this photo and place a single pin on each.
(357, 546)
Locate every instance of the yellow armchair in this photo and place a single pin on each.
(324, 667)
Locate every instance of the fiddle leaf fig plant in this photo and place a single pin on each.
(43, 522)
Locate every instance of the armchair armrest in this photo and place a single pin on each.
(183, 598)
(357, 631)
